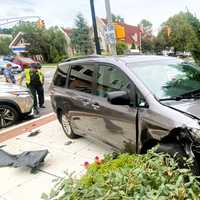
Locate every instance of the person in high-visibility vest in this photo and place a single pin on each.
(34, 81)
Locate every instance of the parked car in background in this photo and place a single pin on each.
(24, 62)
(8, 57)
(15, 67)
(131, 102)
(15, 102)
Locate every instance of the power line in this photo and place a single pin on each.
(5, 21)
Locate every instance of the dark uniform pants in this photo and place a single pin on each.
(37, 90)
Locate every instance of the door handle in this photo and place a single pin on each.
(84, 101)
(96, 106)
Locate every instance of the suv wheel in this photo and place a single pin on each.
(67, 127)
(8, 116)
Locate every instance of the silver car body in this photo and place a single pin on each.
(16, 95)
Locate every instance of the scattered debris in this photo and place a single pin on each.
(30, 159)
(2, 146)
(34, 133)
(68, 142)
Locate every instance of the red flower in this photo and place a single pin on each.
(97, 158)
(86, 164)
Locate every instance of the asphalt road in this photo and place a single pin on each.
(48, 74)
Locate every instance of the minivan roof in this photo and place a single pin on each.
(145, 58)
(125, 58)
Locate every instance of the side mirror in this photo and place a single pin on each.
(119, 98)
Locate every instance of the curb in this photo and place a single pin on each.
(26, 127)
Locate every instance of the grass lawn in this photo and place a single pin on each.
(49, 65)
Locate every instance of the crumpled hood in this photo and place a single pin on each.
(9, 87)
(190, 106)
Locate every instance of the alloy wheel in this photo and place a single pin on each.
(7, 117)
(66, 125)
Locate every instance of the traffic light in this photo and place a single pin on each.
(40, 23)
(168, 30)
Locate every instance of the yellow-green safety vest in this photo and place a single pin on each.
(28, 76)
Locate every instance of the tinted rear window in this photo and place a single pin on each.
(61, 75)
(81, 78)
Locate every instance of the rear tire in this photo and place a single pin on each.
(66, 125)
(8, 116)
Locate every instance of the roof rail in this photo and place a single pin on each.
(81, 57)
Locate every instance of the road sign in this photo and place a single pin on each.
(110, 34)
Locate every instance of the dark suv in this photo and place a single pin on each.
(130, 102)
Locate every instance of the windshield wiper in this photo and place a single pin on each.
(189, 95)
(178, 98)
(192, 94)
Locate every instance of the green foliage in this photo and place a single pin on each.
(137, 177)
(195, 23)
(6, 30)
(147, 44)
(133, 46)
(185, 34)
(121, 47)
(147, 26)
(147, 36)
(50, 43)
(4, 45)
(80, 39)
(117, 18)
(182, 35)
(25, 27)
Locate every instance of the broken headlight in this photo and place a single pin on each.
(195, 134)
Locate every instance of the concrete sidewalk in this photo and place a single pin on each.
(21, 184)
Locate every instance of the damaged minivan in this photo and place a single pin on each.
(131, 102)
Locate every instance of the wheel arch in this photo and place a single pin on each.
(12, 104)
(150, 142)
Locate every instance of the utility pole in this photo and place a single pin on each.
(96, 38)
(110, 28)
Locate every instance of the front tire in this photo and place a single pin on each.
(176, 151)
(66, 125)
(8, 116)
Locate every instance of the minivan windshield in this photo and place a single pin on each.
(168, 80)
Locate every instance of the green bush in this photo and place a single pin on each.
(121, 48)
(130, 177)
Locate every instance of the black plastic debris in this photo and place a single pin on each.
(2, 146)
(68, 142)
(30, 159)
(34, 133)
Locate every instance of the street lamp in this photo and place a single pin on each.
(96, 38)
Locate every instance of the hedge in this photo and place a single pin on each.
(130, 177)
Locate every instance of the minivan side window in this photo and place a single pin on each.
(81, 78)
(110, 79)
(61, 75)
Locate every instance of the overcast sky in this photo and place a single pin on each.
(62, 12)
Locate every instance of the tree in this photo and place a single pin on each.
(81, 37)
(147, 36)
(6, 30)
(159, 43)
(195, 23)
(26, 27)
(184, 34)
(147, 27)
(4, 45)
(147, 44)
(121, 47)
(133, 46)
(117, 18)
(50, 43)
